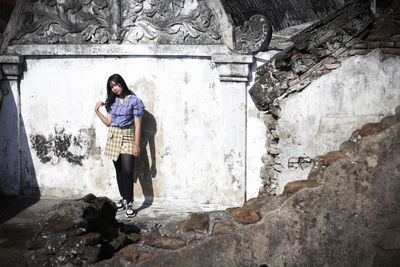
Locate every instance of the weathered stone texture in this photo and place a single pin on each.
(349, 220)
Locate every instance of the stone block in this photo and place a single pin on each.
(197, 222)
(296, 186)
(130, 253)
(333, 156)
(371, 128)
(223, 228)
(391, 51)
(246, 216)
(154, 239)
(374, 44)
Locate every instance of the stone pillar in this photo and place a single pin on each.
(10, 125)
(234, 71)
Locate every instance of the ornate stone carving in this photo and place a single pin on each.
(111, 21)
(69, 21)
(254, 35)
(170, 21)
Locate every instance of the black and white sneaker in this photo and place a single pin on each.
(130, 212)
(120, 204)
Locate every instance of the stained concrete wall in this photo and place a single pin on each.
(197, 123)
(317, 120)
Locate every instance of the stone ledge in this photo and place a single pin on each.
(118, 50)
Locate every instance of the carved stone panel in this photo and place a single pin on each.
(169, 22)
(116, 21)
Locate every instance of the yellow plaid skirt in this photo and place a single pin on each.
(119, 141)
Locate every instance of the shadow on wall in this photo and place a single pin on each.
(17, 173)
(143, 171)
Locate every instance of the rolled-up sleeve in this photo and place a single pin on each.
(138, 108)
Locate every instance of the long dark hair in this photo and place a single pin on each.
(110, 95)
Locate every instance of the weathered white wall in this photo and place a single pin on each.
(318, 119)
(200, 137)
(9, 145)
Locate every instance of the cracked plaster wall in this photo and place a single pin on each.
(198, 157)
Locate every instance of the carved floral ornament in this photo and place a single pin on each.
(116, 21)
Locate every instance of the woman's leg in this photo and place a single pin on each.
(118, 170)
(127, 161)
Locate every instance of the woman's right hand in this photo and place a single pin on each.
(98, 105)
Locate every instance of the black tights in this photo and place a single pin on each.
(124, 169)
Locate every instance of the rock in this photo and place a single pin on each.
(349, 220)
(130, 253)
(246, 216)
(296, 186)
(371, 128)
(119, 242)
(347, 146)
(75, 231)
(388, 121)
(332, 156)
(36, 243)
(273, 151)
(133, 238)
(154, 239)
(222, 228)
(147, 255)
(197, 222)
(397, 113)
(89, 239)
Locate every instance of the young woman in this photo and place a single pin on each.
(124, 117)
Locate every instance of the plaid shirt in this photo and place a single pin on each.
(123, 114)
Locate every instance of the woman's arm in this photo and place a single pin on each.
(136, 147)
(106, 120)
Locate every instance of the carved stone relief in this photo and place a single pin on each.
(170, 21)
(254, 35)
(116, 21)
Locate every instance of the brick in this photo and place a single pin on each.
(333, 156)
(360, 45)
(371, 128)
(392, 51)
(388, 44)
(395, 37)
(296, 186)
(374, 44)
(377, 36)
(332, 66)
(322, 72)
(359, 52)
(397, 44)
(271, 126)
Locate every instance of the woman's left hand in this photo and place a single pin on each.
(136, 151)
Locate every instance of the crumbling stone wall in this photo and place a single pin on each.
(317, 51)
